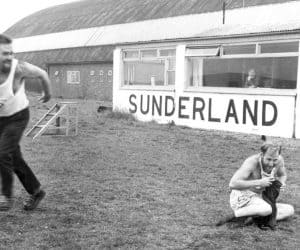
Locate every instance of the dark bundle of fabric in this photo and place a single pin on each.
(270, 195)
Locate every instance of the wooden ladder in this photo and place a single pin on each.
(61, 116)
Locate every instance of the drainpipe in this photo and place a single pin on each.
(296, 133)
(224, 6)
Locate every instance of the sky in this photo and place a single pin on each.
(12, 11)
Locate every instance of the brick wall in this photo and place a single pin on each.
(90, 81)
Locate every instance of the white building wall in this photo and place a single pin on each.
(262, 113)
(230, 112)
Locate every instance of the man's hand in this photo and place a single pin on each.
(45, 97)
(283, 186)
(2, 101)
(266, 181)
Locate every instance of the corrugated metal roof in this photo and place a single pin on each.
(241, 29)
(258, 19)
(94, 13)
(74, 55)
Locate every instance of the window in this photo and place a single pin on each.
(170, 71)
(73, 77)
(152, 67)
(144, 73)
(109, 75)
(149, 53)
(167, 52)
(210, 51)
(279, 47)
(131, 54)
(240, 70)
(101, 74)
(239, 49)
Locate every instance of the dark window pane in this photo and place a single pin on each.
(223, 72)
(149, 53)
(171, 77)
(131, 54)
(167, 52)
(279, 47)
(239, 49)
(144, 73)
(171, 63)
(274, 72)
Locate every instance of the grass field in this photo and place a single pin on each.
(123, 184)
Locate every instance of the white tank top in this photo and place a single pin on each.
(10, 102)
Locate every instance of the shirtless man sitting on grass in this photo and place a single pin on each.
(250, 180)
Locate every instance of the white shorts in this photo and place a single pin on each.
(243, 198)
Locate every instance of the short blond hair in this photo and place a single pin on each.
(4, 39)
(270, 146)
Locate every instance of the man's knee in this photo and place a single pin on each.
(265, 209)
(290, 210)
(284, 210)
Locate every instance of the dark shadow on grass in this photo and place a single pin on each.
(242, 223)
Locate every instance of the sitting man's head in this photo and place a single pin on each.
(270, 156)
(251, 74)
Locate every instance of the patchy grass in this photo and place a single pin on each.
(117, 114)
(123, 184)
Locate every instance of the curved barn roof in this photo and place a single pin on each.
(95, 13)
(257, 20)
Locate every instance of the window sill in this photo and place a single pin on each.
(148, 88)
(243, 91)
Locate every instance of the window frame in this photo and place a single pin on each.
(257, 54)
(70, 78)
(158, 57)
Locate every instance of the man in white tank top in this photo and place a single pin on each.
(14, 117)
(249, 181)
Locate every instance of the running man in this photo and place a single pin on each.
(14, 117)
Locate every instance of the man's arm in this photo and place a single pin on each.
(240, 180)
(281, 172)
(27, 70)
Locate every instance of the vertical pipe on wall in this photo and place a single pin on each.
(180, 72)
(180, 68)
(297, 106)
(117, 74)
(224, 7)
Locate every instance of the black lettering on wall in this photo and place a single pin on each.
(182, 107)
(210, 118)
(155, 105)
(147, 104)
(132, 102)
(247, 109)
(264, 107)
(169, 98)
(231, 112)
(198, 109)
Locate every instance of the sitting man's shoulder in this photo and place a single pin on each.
(252, 161)
(253, 158)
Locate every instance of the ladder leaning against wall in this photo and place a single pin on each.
(60, 119)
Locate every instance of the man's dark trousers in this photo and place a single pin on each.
(11, 160)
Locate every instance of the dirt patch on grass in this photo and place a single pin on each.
(124, 184)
